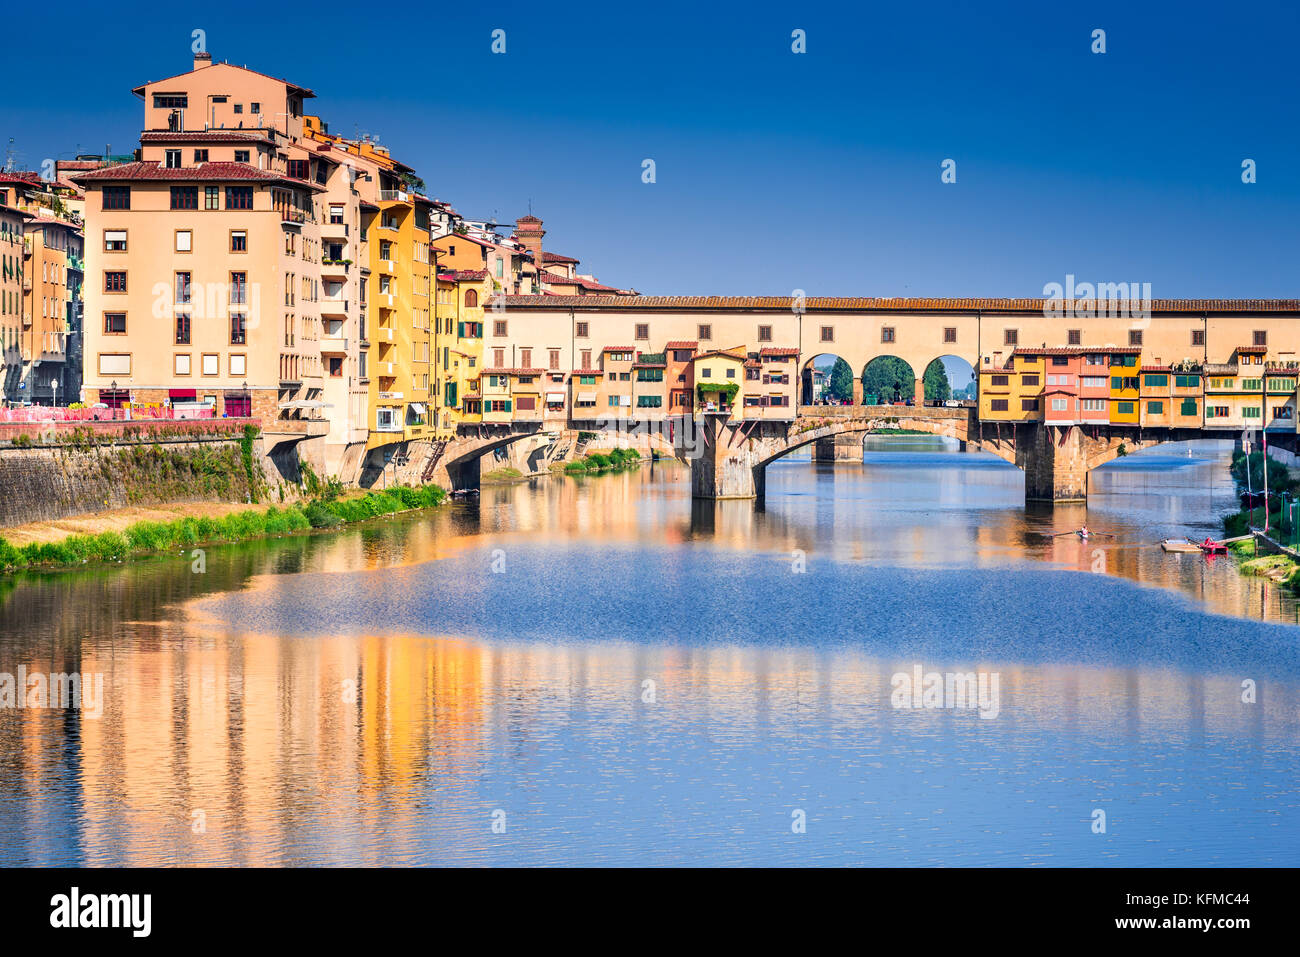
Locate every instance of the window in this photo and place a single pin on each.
(1187, 381)
(1198, 337)
(238, 328)
(998, 405)
(1250, 412)
(1075, 337)
(239, 197)
(706, 373)
(1124, 408)
(210, 364)
(1155, 408)
(255, 108)
(115, 240)
(299, 168)
(117, 197)
(1260, 337)
(1029, 405)
(1135, 337)
(642, 331)
(166, 101)
(1251, 385)
(172, 159)
(949, 333)
(1011, 337)
(649, 401)
(238, 241)
(471, 298)
(580, 330)
(200, 156)
(115, 281)
(239, 107)
(114, 323)
(1093, 381)
(827, 334)
(181, 363)
(114, 363)
(241, 156)
(238, 288)
(499, 328)
(705, 332)
(1060, 405)
(1029, 380)
(1156, 380)
(183, 291)
(239, 364)
(185, 197)
(1188, 407)
(887, 334)
(731, 373)
(1001, 380)
(649, 375)
(182, 328)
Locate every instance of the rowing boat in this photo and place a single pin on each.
(1179, 545)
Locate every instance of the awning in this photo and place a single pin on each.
(586, 397)
(555, 397)
(419, 408)
(186, 395)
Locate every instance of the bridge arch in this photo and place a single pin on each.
(955, 427)
(827, 363)
(946, 375)
(887, 379)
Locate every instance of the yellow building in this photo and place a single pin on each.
(1125, 386)
(458, 324)
(1013, 392)
(1280, 385)
(719, 377)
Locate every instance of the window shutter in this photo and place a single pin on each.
(507, 405)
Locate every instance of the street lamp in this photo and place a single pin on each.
(54, 388)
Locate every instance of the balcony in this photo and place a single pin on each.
(394, 196)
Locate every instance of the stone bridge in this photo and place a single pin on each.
(730, 458)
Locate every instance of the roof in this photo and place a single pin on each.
(875, 304)
(206, 136)
(21, 178)
(682, 344)
(548, 257)
(719, 353)
(530, 218)
(135, 172)
(1155, 368)
(588, 372)
(617, 349)
(1253, 350)
(139, 90)
(512, 371)
(777, 351)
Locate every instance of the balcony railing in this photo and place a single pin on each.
(393, 196)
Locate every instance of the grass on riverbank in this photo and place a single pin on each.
(150, 538)
(600, 461)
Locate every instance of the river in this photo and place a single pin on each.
(600, 671)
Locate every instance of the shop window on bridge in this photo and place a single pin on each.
(649, 401)
(1155, 408)
(1250, 412)
(1187, 381)
(1281, 411)
(1124, 408)
(1157, 380)
(1028, 405)
(1188, 407)
(1251, 385)
(998, 405)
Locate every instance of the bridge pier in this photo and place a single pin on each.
(727, 465)
(839, 448)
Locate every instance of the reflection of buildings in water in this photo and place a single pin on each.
(266, 739)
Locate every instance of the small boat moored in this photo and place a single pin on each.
(1179, 545)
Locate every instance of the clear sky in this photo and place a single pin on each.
(774, 170)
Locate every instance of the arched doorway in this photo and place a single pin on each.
(888, 380)
(949, 379)
(827, 380)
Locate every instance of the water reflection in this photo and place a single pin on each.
(374, 696)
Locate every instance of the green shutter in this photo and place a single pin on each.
(507, 405)
(460, 330)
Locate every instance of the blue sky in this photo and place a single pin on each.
(777, 171)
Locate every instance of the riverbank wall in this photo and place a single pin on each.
(59, 473)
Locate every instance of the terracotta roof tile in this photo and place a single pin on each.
(827, 304)
(682, 344)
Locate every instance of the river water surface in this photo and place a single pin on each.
(599, 671)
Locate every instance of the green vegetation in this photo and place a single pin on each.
(1279, 476)
(726, 391)
(504, 474)
(839, 387)
(246, 454)
(147, 538)
(601, 461)
(936, 381)
(890, 378)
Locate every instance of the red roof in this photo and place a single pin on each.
(893, 306)
(548, 257)
(777, 351)
(21, 178)
(530, 218)
(1155, 368)
(1252, 350)
(512, 372)
(204, 171)
(208, 136)
(617, 349)
(682, 344)
(588, 372)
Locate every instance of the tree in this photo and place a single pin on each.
(1279, 477)
(841, 381)
(936, 381)
(889, 379)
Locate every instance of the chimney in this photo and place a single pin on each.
(201, 60)
(528, 230)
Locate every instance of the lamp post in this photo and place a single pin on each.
(54, 388)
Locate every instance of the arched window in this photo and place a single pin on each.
(471, 298)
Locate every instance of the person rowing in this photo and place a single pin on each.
(1084, 533)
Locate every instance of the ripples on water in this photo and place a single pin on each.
(374, 696)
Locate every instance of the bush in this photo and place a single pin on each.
(318, 516)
